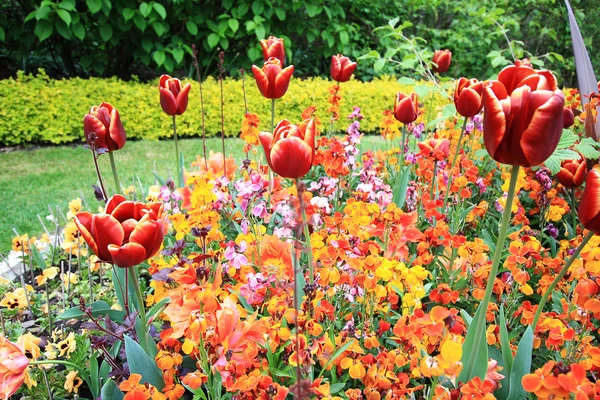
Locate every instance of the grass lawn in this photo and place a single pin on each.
(33, 180)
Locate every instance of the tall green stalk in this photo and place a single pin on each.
(134, 278)
(114, 171)
(311, 275)
(178, 169)
(558, 277)
(476, 335)
(450, 175)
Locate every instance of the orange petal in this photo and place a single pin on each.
(113, 202)
(83, 221)
(106, 230)
(168, 102)
(291, 157)
(531, 383)
(149, 234)
(92, 126)
(128, 255)
(182, 99)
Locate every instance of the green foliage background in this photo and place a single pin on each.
(146, 38)
(38, 109)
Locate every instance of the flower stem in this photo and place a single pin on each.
(306, 234)
(450, 174)
(178, 169)
(76, 367)
(114, 171)
(558, 277)
(479, 321)
(271, 177)
(134, 278)
(195, 52)
(573, 213)
(402, 146)
(99, 175)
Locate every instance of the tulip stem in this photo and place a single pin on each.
(114, 171)
(434, 182)
(271, 177)
(450, 174)
(306, 232)
(178, 169)
(402, 147)
(195, 52)
(76, 367)
(478, 323)
(573, 213)
(135, 280)
(558, 277)
(272, 115)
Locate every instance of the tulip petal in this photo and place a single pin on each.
(336, 67)
(128, 227)
(266, 139)
(291, 157)
(124, 211)
(468, 103)
(162, 82)
(542, 135)
(106, 230)
(309, 133)
(128, 255)
(83, 220)
(92, 126)
(282, 81)
(168, 102)
(149, 234)
(589, 206)
(113, 202)
(117, 137)
(261, 81)
(494, 121)
(182, 99)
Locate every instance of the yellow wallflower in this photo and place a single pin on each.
(74, 208)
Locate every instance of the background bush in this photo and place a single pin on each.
(37, 109)
(146, 38)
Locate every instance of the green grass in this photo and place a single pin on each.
(31, 181)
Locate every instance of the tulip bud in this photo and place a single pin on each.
(569, 117)
(103, 128)
(572, 172)
(467, 97)
(523, 128)
(437, 148)
(272, 81)
(173, 97)
(13, 367)
(406, 108)
(290, 150)
(126, 234)
(515, 76)
(442, 59)
(273, 47)
(589, 206)
(341, 68)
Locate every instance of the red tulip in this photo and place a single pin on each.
(273, 47)
(572, 172)
(406, 108)
(467, 97)
(437, 148)
(273, 81)
(126, 234)
(13, 365)
(103, 128)
(589, 206)
(173, 97)
(569, 117)
(442, 59)
(291, 149)
(341, 68)
(521, 74)
(523, 128)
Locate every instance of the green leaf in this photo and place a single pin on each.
(178, 54)
(233, 24)
(169, 63)
(392, 22)
(63, 29)
(336, 354)
(401, 187)
(407, 81)
(192, 27)
(521, 366)
(344, 37)
(160, 9)
(258, 7)
(588, 147)
(39, 260)
(145, 9)
(260, 32)
(254, 53)
(43, 30)
(94, 5)
(42, 13)
(147, 44)
(336, 387)
(242, 9)
(128, 13)
(507, 356)
(65, 16)
(140, 22)
(159, 57)
(475, 357)
(2, 34)
(227, 4)
(224, 43)
(567, 139)
(111, 391)
(213, 40)
(106, 32)
(152, 312)
(313, 10)
(140, 363)
(68, 5)
(553, 164)
(379, 64)
(159, 28)
(280, 12)
(100, 308)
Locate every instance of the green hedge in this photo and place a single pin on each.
(39, 110)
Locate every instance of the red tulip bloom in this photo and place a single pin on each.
(467, 97)
(523, 128)
(442, 59)
(103, 128)
(126, 234)
(569, 117)
(341, 68)
(572, 172)
(291, 149)
(406, 108)
(522, 74)
(273, 47)
(437, 148)
(273, 81)
(13, 365)
(589, 207)
(173, 97)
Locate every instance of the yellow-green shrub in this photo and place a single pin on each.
(41, 110)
